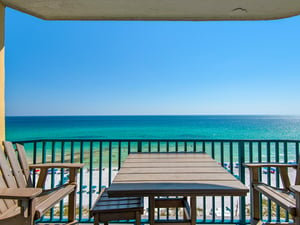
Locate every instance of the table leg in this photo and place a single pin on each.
(137, 218)
(151, 210)
(96, 219)
(193, 210)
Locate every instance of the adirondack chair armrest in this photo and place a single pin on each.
(19, 193)
(259, 165)
(295, 189)
(73, 167)
(283, 171)
(57, 165)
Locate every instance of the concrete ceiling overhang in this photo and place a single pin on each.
(157, 9)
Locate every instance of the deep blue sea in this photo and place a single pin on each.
(153, 127)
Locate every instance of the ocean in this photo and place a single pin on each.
(153, 127)
(158, 127)
(104, 159)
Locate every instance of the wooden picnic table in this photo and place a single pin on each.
(174, 174)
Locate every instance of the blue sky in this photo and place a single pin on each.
(146, 68)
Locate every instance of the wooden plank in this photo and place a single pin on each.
(19, 193)
(72, 195)
(106, 198)
(176, 177)
(6, 171)
(117, 202)
(168, 155)
(42, 178)
(169, 202)
(221, 184)
(4, 204)
(151, 210)
(193, 203)
(254, 195)
(6, 179)
(297, 213)
(169, 165)
(47, 201)
(3, 207)
(279, 198)
(12, 212)
(109, 207)
(24, 164)
(99, 206)
(285, 177)
(15, 165)
(209, 188)
(295, 188)
(170, 160)
(119, 215)
(212, 169)
(57, 165)
(288, 198)
(138, 217)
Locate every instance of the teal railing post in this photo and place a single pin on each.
(109, 162)
(241, 147)
(81, 181)
(140, 146)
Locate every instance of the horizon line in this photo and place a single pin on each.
(73, 115)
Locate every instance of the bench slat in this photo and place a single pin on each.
(115, 204)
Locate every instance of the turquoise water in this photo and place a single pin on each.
(153, 127)
(157, 127)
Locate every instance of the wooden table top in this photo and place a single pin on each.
(171, 174)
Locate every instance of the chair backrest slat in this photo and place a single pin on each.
(24, 164)
(15, 165)
(6, 180)
(5, 204)
(7, 171)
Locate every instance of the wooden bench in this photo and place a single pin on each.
(108, 209)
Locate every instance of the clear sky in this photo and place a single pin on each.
(146, 68)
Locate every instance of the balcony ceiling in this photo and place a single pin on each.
(157, 9)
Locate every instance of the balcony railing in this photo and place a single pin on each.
(103, 159)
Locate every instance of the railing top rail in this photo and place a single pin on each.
(152, 140)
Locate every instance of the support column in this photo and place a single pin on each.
(2, 75)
